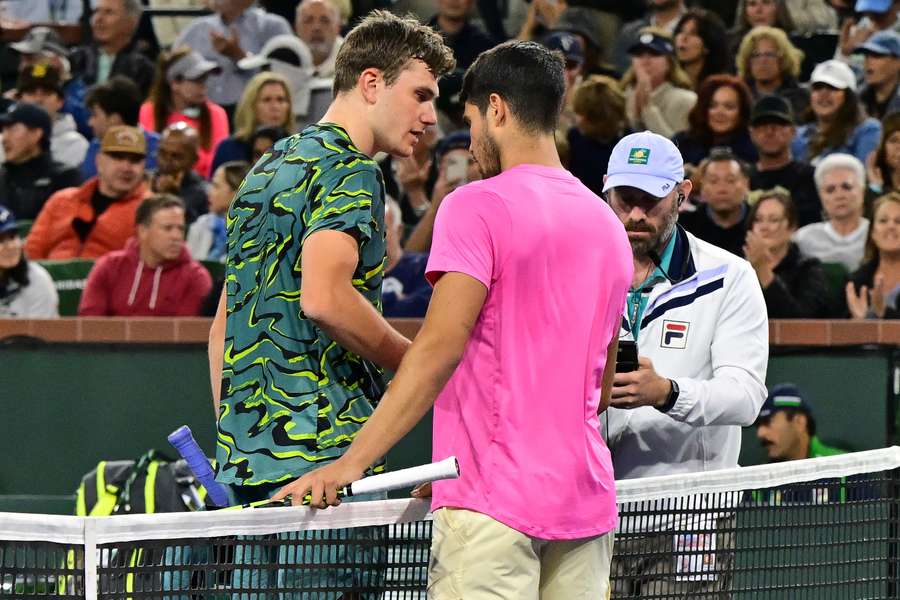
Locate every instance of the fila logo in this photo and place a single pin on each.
(674, 334)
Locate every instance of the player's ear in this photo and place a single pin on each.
(369, 84)
(497, 110)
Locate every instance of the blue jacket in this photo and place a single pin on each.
(862, 141)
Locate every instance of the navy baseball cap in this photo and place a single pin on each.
(876, 6)
(782, 396)
(647, 161)
(30, 115)
(882, 43)
(654, 42)
(568, 43)
(7, 221)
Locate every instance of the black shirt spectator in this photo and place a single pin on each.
(465, 39)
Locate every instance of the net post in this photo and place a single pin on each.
(90, 559)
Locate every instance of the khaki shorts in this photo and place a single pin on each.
(474, 557)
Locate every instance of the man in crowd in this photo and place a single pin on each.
(698, 317)
(112, 51)
(663, 14)
(721, 219)
(42, 84)
(29, 174)
(405, 291)
(881, 70)
(236, 29)
(786, 427)
(772, 128)
(154, 275)
(175, 157)
(318, 25)
(98, 217)
(116, 102)
(466, 39)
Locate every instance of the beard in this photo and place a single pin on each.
(487, 156)
(657, 238)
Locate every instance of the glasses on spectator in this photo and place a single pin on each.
(760, 55)
(844, 185)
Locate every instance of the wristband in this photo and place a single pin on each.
(671, 399)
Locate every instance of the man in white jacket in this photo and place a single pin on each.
(699, 319)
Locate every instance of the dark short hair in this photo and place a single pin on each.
(117, 96)
(235, 171)
(153, 204)
(724, 154)
(527, 75)
(387, 42)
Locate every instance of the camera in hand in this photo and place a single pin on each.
(627, 357)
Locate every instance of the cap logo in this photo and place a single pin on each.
(638, 156)
(39, 70)
(126, 137)
(646, 38)
(787, 401)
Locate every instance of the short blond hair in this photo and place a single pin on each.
(790, 58)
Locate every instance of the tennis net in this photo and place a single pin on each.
(821, 528)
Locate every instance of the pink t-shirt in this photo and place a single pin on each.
(219, 130)
(520, 411)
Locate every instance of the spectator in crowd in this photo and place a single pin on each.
(600, 108)
(266, 102)
(411, 179)
(793, 285)
(262, 141)
(98, 217)
(658, 93)
(588, 25)
(721, 219)
(813, 17)
(26, 289)
(41, 84)
(542, 16)
(883, 167)
(786, 427)
(318, 25)
(177, 152)
(115, 102)
(772, 129)
(112, 50)
(236, 29)
(661, 14)
(874, 289)
(719, 119)
(404, 292)
(770, 64)
(572, 49)
(841, 181)
(179, 95)
(880, 95)
(456, 167)
(154, 275)
(839, 124)
(29, 175)
(682, 410)
(26, 13)
(877, 15)
(466, 39)
(701, 45)
(207, 236)
(751, 14)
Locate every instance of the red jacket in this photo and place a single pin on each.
(121, 285)
(52, 234)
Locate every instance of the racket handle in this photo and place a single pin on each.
(190, 451)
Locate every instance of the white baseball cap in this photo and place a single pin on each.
(647, 161)
(835, 73)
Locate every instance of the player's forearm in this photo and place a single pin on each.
(351, 321)
(424, 372)
(216, 353)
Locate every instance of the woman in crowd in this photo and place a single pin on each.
(770, 64)
(719, 119)
(266, 102)
(873, 290)
(838, 123)
(759, 13)
(179, 94)
(658, 93)
(206, 237)
(599, 107)
(793, 285)
(701, 45)
(26, 289)
(883, 167)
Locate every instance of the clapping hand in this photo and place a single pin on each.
(859, 303)
(228, 44)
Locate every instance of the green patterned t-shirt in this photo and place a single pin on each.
(291, 397)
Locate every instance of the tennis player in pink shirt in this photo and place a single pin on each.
(516, 355)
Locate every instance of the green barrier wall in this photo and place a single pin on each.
(65, 407)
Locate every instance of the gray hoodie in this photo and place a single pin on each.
(67, 145)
